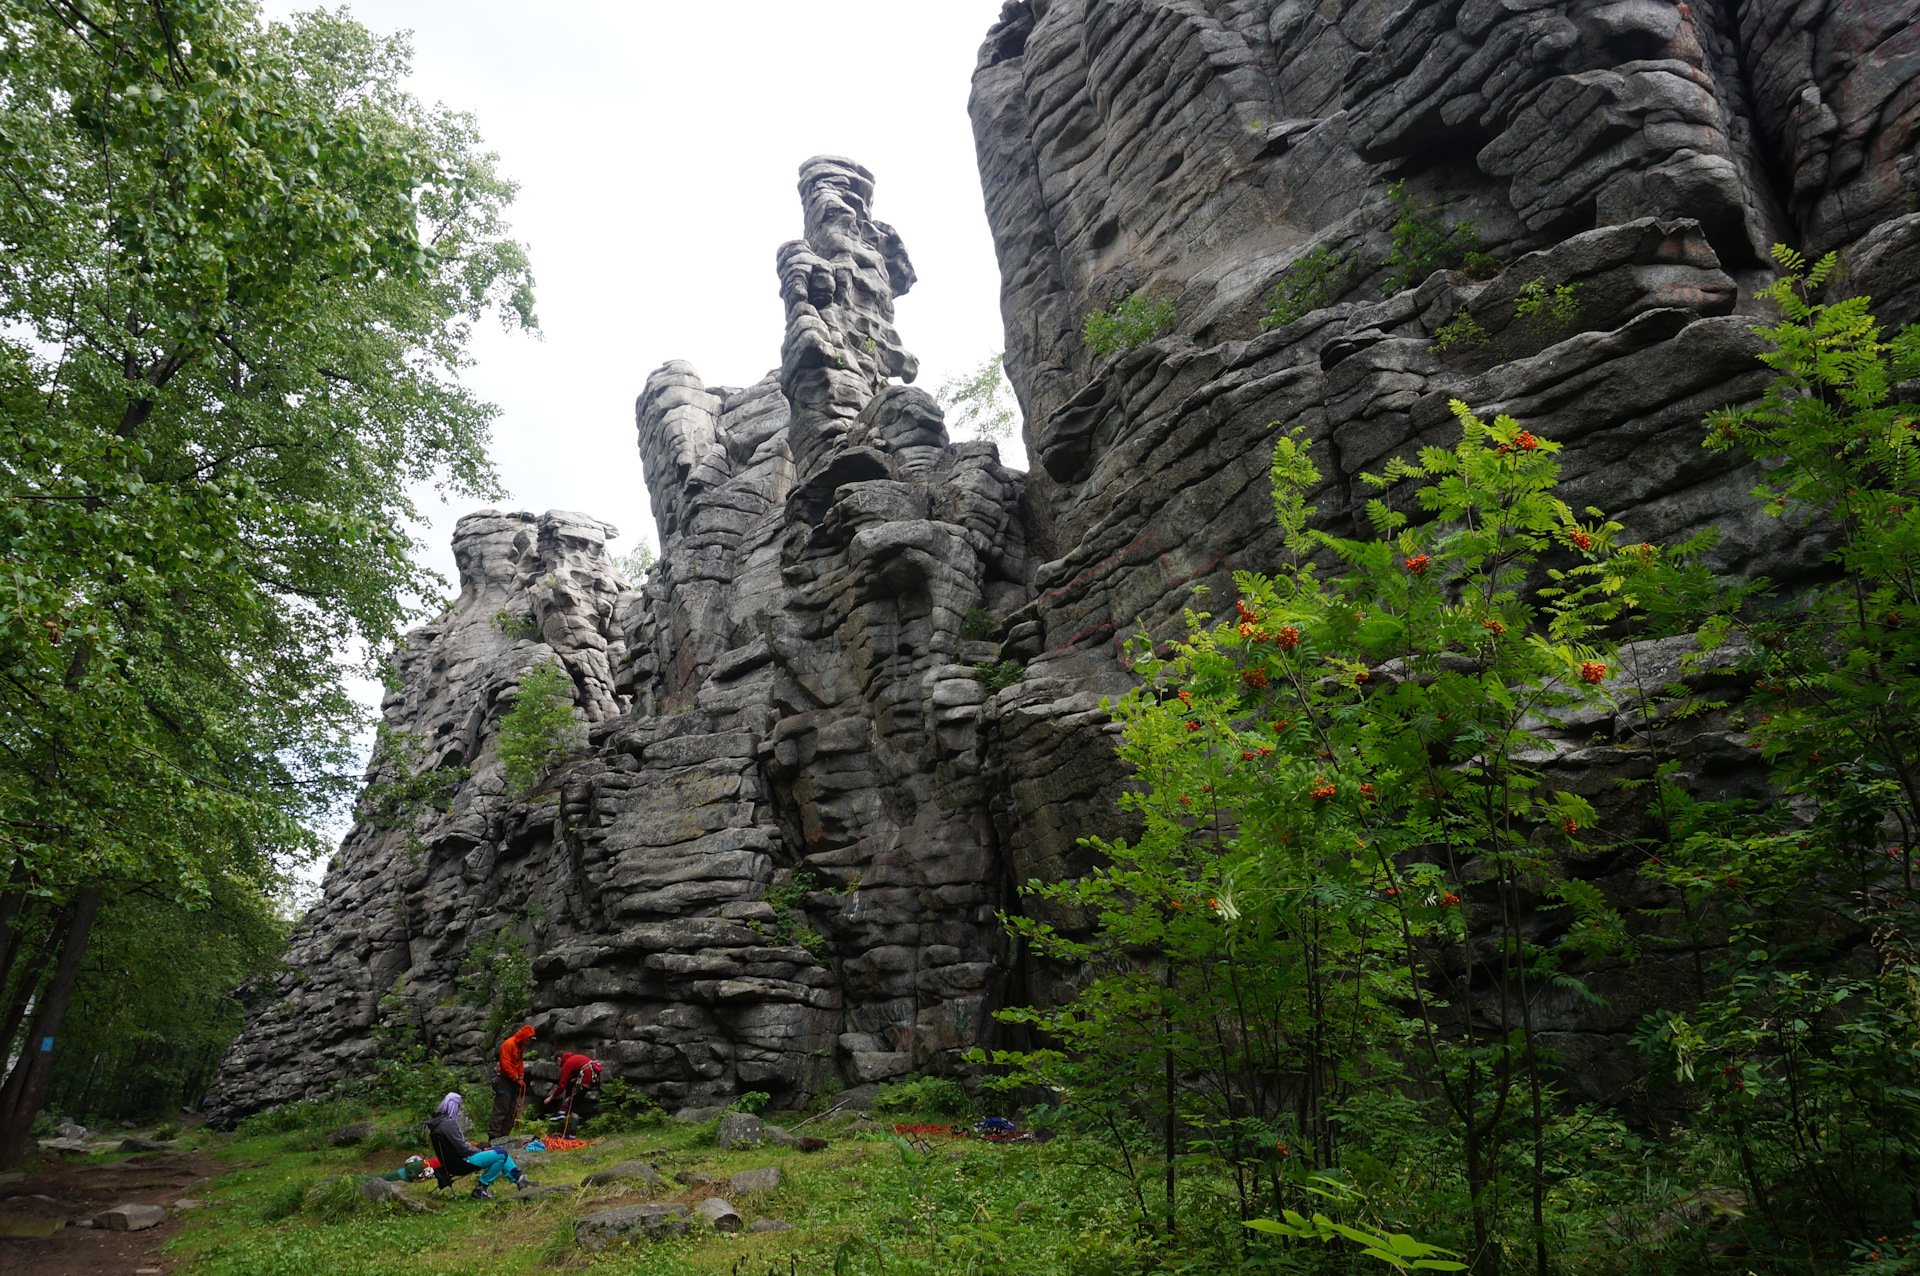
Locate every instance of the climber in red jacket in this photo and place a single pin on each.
(576, 1095)
(509, 1084)
(571, 1065)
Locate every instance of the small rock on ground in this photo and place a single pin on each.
(717, 1212)
(130, 1218)
(623, 1171)
(769, 1225)
(348, 1135)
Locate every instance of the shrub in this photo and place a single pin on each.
(1000, 675)
(1127, 325)
(166, 1130)
(977, 625)
(935, 1096)
(539, 730)
(497, 976)
(1299, 876)
(1423, 242)
(395, 803)
(1797, 1047)
(517, 624)
(789, 902)
(625, 1108)
(1313, 281)
(751, 1101)
(1536, 303)
(1481, 266)
(1460, 332)
(637, 564)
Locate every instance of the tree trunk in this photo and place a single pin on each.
(23, 994)
(12, 943)
(9, 910)
(37, 1060)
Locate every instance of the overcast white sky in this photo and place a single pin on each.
(656, 145)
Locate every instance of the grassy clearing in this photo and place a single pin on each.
(868, 1201)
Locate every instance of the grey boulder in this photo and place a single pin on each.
(622, 1172)
(651, 1219)
(740, 1130)
(377, 1190)
(747, 1182)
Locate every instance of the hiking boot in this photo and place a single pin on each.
(482, 1194)
(523, 1183)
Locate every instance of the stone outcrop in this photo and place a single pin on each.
(802, 787)
(769, 861)
(1645, 154)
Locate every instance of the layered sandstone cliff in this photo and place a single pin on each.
(790, 712)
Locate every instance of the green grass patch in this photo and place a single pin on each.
(870, 1204)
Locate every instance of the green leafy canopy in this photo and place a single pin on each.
(242, 268)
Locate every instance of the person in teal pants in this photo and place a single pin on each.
(447, 1132)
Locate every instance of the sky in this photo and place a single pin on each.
(656, 145)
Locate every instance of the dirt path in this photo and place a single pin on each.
(55, 1191)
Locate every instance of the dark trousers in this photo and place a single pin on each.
(506, 1102)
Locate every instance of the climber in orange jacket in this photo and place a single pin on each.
(509, 1084)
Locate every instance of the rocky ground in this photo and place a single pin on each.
(104, 1213)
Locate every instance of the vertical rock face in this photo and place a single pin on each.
(777, 852)
(769, 862)
(1643, 154)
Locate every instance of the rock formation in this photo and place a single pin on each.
(777, 855)
(788, 706)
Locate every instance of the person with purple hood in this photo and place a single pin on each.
(447, 1131)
